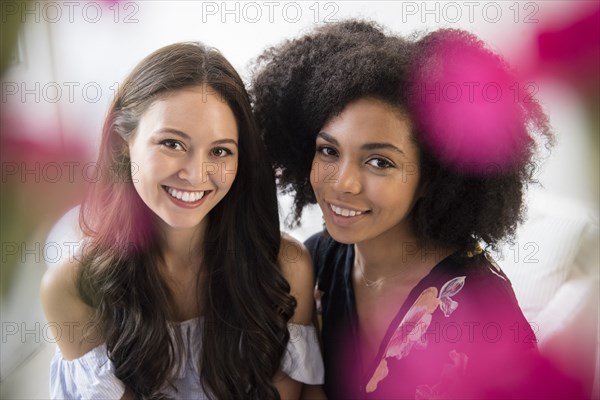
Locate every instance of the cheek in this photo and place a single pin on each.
(147, 166)
(226, 173)
(141, 160)
(398, 194)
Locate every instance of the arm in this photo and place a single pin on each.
(66, 312)
(128, 395)
(296, 267)
(315, 392)
(71, 322)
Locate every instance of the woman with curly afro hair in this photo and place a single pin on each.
(418, 153)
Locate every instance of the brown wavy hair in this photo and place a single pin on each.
(246, 300)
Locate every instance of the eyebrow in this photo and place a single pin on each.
(185, 136)
(367, 146)
(224, 141)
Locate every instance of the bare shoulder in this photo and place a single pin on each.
(58, 290)
(296, 267)
(68, 316)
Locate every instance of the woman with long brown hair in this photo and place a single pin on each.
(184, 287)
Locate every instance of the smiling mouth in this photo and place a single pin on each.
(187, 197)
(345, 212)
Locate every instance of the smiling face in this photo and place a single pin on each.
(365, 172)
(184, 155)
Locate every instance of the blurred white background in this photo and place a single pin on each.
(72, 55)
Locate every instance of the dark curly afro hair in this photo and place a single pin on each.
(301, 84)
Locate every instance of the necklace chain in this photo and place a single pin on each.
(369, 283)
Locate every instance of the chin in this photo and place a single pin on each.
(179, 224)
(342, 237)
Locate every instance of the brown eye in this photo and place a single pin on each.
(221, 152)
(172, 144)
(380, 163)
(327, 151)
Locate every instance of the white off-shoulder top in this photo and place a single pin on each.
(91, 376)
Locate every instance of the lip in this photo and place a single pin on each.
(345, 220)
(186, 204)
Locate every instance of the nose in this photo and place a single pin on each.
(348, 178)
(196, 169)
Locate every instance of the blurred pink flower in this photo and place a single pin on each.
(571, 52)
(468, 105)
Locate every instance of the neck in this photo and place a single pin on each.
(181, 270)
(397, 253)
(181, 250)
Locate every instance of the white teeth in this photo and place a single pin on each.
(345, 212)
(188, 197)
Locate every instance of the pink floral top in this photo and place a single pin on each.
(459, 333)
